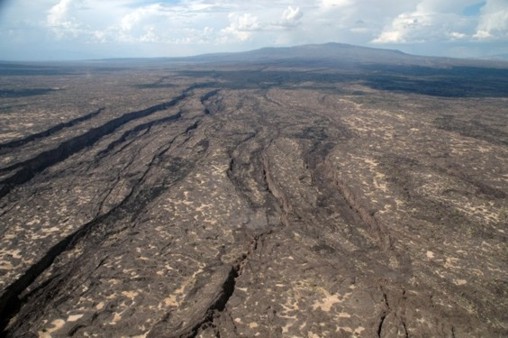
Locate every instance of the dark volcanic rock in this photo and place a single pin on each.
(199, 207)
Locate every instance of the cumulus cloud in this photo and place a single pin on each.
(59, 21)
(214, 25)
(407, 26)
(457, 36)
(241, 26)
(149, 35)
(141, 21)
(432, 20)
(493, 23)
(291, 17)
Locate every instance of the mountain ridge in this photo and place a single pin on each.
(332, 53)
(328, 54)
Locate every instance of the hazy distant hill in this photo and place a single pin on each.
(336, 54)
(498, 57)
(329, 63)
(315, 55)
(325, 52)
(333, 63)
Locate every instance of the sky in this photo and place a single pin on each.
(91, 29)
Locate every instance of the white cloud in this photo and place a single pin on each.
(143, 18)
(58, 12)
(149, 35)
(241, 26)
(99, 36)
(335, 3)
(432, 20)
(291, 17)
(493, 23)
(457, 36)
(59, 21)
(406, 26)
(201, 26)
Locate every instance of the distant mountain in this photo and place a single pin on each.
(498, 57)
(341, 57)
(328, 55)
(333, 54)
(322, 52)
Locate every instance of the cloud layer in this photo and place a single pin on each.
(97, 28)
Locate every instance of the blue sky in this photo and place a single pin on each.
(84, 29)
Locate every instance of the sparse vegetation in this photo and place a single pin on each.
(269, 198)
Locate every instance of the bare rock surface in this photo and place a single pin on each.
(168, 203)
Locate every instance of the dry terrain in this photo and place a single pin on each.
(250, 200)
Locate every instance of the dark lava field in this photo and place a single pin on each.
(318, 191)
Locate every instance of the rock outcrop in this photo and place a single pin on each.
(211, 208)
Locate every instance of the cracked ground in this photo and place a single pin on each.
(163, 203)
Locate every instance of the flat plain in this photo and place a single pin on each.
(331, 191)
